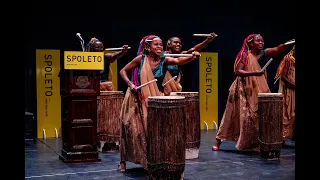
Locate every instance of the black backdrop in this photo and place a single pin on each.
(53, 25)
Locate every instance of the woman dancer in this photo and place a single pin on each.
(240, 120)
(149, 65)
(286, 74)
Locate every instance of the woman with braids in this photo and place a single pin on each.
(148, 65)
(286, 75)
(240, 119)
(174, 46)
(95, 45)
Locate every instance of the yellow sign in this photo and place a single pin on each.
(48, 93)
(208, 90)
(77, 60)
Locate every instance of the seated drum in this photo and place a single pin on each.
(270, 124)
(192, 123)
(166, 140)
(108, 128)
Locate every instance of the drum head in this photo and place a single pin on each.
(269, 94)
(166, 97)
(177, 93)
(104, 93)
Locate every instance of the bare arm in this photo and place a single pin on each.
(240, 71)
(129, 67)
(271, 52)
(243, 73)
(181, 60)
(178, 78)
(201, 45)
(111, 57)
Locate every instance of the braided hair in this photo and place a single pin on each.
(144, 44)
(243, 55)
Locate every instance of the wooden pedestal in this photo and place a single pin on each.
(79, 115)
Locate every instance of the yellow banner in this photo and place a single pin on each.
(48, 93)
(114, 71)
(77, 60)
(208, 90)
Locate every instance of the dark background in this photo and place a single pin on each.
(53, 25)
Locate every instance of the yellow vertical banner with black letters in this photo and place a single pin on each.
(48, 93)
(114, 72)
(208, 90)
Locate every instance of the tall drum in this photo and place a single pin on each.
(108, 128)
(192, 123)
(166, 140)
(270, 124)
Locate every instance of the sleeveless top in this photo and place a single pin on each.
(174, 70)
(158, 72)
(263, 59)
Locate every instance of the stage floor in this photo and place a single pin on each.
(42, 162)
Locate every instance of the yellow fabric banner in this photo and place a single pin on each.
(48, 93)
(114, 71)
(208, 90)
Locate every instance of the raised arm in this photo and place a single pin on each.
(201, 45)
(181, 60)
(111, 57)
(271, 52)
(129, 67)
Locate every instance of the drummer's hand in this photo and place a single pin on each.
(125, 48)
(259, 72)
(211, 36)
(133, 88)
(195, 54)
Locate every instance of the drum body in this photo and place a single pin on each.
(166, 137)
(108, 128)
(270, 124)
(192, 123)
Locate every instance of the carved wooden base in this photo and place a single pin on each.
(79, 116)
(78, 157)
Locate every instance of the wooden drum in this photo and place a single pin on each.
(106, 86)
(192, 123)
(108, 128)
(166, 140)
(270, 124)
